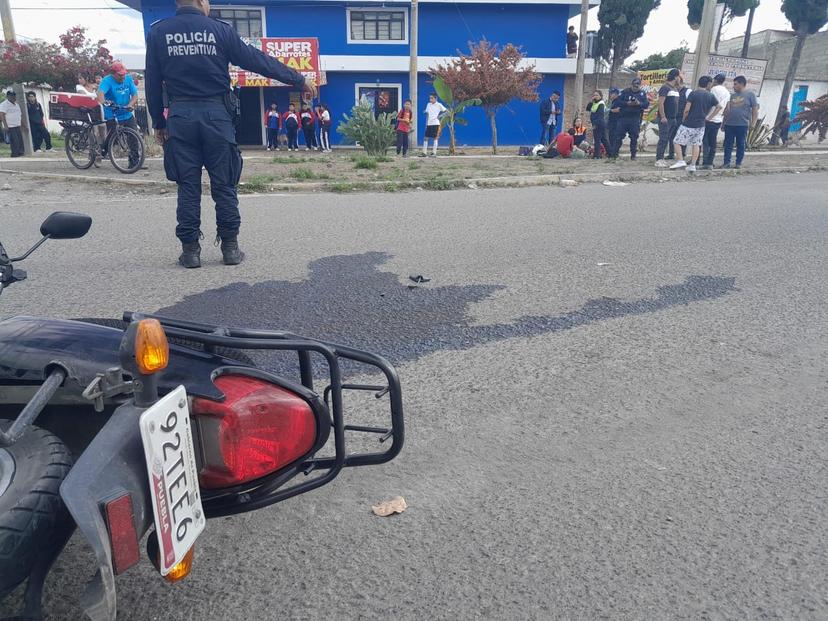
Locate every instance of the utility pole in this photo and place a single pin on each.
(413, 46)
(746, 44)
(579, 67)
(704, 41)
(9, 35)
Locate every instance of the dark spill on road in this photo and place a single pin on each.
(347, 299)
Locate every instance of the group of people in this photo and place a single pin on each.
(689, 121)
(11, 121)
(314, 124)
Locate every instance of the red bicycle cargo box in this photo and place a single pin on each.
(74, 107)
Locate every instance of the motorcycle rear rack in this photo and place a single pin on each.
(268, 490)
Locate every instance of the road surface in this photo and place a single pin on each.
(615, 397)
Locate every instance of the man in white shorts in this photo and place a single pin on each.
(701, 106)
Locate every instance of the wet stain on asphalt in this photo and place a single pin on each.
(348, 299)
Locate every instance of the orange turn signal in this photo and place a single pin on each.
(182, 568)
(152, 351)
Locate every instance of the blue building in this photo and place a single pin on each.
(364, 51)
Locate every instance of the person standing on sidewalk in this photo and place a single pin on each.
(433, 111)
(11, 118)
(739, 116)
(37, 124)
(404, 119)
(549, 111)
(598, 117)
(199, 131)
(701, 107)
(631, 104)
(711, 127)
(273, 123)
(668, 97)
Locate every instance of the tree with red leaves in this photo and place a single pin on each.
(56, 65)
(494, 76)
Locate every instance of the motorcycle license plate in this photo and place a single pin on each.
(176, 501)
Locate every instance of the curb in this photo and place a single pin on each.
(562, 179)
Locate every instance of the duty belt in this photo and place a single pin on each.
(214, 98)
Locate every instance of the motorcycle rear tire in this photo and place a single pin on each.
(33, 518)
(224, 352)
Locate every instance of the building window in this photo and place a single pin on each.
(377, 26)
(381, 97)
(247, 22)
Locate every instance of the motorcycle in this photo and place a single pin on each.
(150, 426)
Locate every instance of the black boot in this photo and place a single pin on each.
(231, 254)
(190, 255)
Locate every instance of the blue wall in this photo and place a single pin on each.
(444, 28)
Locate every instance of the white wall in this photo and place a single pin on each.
(772, 92)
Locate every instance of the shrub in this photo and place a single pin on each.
(375, 133)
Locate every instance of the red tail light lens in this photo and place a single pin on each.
(258, 429)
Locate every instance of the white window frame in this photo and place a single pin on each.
(248, 7)
(374, 85)
(376, 9)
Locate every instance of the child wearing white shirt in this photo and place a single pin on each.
(433, 111)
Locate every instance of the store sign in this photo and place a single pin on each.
(301, 54)
(653, 78)
(752, 68)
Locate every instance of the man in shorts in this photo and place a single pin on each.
(701, 106)
(434, 110)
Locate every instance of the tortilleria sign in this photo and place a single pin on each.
(301, 54)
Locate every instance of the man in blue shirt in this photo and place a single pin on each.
(188, 55)
(118, 90)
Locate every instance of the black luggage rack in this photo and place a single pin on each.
(267, 491)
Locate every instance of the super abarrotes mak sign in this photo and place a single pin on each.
(301, 54)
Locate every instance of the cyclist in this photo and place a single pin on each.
(119, 91)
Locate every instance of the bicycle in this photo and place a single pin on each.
(123, 145)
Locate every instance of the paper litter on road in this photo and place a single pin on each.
(568, 183)
(389, 507)
(614, 184)
(603, 264)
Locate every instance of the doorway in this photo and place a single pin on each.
(249, 130)
(800, 95)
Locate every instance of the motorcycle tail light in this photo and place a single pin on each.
(123, 538)
(258, 429)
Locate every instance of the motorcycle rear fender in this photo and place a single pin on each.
(113, 464)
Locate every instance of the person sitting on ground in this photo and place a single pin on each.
(564, 146)
(580, 131)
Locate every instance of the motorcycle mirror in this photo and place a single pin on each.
(65, 225)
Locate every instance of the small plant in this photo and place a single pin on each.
(374, 132)
(451, 117)
(341, 187)
(365, 162)
(304, 174)
(758, 135)
(281, 159)
(256, 183)
(439, 183)
(413, 165)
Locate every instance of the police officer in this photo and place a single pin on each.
(189, 55)
(630, 105)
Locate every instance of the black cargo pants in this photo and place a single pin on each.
(202, 135)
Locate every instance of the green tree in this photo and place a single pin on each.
(733, 8)
(621, 25)
(671, 59)
(454, 109)
(806, 17)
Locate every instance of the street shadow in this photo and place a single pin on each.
(347, 299)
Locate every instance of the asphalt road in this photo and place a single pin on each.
(615, 397)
